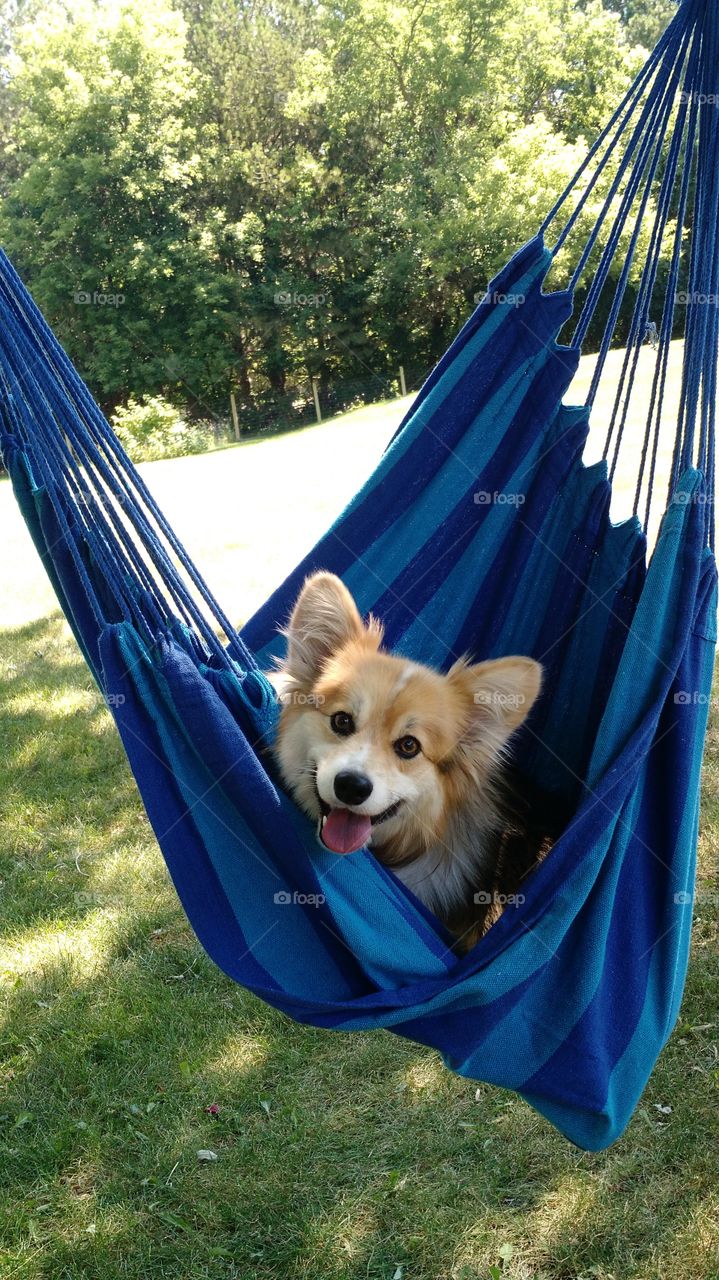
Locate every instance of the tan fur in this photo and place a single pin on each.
(443, 839)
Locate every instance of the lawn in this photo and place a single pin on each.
(124, 1052)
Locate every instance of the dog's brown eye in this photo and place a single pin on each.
(342, 723)
(407, 747)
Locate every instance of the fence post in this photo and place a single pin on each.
(235, 419)
(316, 397)
(402, 383)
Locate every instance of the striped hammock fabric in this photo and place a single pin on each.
(481, 531)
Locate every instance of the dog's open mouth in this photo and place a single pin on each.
(343, 831)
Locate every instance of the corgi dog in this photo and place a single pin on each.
(382, 751)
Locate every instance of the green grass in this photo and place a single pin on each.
(338, 1157)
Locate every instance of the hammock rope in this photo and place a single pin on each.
(481, 531)
(688, 52)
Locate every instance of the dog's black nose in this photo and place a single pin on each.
(351, 787)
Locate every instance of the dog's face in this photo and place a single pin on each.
(379, 749)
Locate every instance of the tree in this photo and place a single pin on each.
(102, 218)
(644, 19)
(250, 193)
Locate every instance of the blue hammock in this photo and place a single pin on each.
(572, 994)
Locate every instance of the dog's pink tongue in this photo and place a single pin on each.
(343, 831)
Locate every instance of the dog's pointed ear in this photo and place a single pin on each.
(502, 693)
(324, 619)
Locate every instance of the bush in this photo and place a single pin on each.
(152, 428)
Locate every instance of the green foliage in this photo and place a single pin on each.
(644, 19)
(240, 197)
(103, 208)
(151, 428)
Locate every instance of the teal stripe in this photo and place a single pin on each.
(463, 464)
(528, 954)
(379, 923)
(668, 969)
(519, 1046)
(642, 670)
